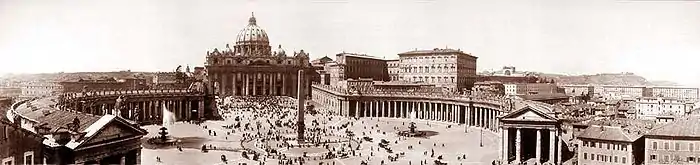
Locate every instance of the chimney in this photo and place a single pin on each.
(75, 125)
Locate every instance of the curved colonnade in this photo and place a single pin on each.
(462, 109)
(143, 106)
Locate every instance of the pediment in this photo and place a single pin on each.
(528, 114)
(113, 130)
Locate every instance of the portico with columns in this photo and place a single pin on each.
(472, 113)
(143, 106)
(531, 132)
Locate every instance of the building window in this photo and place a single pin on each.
(615, 159)
(691, 159)
(665, 145)
(29, 157)
(665, 158)
(678, 146)
(8, 161)
(593, 157)
(624, 160)
(652, 157)
(585, 156)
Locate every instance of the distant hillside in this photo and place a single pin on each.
(608, 79)
(58, 77)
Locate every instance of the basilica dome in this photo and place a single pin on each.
(251, 33)
(252, 40)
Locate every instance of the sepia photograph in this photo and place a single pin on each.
(349, 82)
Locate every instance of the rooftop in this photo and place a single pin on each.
(359, 55)
(44, 113)
(433, 51)
(683, 127)
(544, 96)
(611, 133)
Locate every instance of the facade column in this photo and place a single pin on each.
(246, 78)
(269, 84)
(222, 84)
(538, 151)
(505, 141)
(284, 86)
(255, 84)
(558, 158)
(262, 87)
(551, 145)
(273, 84)
(517, 145)
(357, 109)
(122, 160)
(234, 87)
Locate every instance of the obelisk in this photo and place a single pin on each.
(300, 107)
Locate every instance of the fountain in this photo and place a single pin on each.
(411, 132)
(164, 138)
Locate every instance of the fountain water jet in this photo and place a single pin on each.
(412, 127)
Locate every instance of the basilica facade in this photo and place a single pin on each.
(252, 68)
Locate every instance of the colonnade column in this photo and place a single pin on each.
(188, 105)
(440, 111)
(457, 113)
(505, 147)
(538, 151)
(478, 117)
(381, 109)
(368, 108)
(434, 110)
(356, 109)
(467, 115)
(551, 145)
(558, 158)
(375, 113)
(517, 145)
(393, 108)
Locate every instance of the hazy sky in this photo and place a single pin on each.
(656, 39)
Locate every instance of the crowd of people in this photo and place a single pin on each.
(267, 127)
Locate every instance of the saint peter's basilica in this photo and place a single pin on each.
(252, 68)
